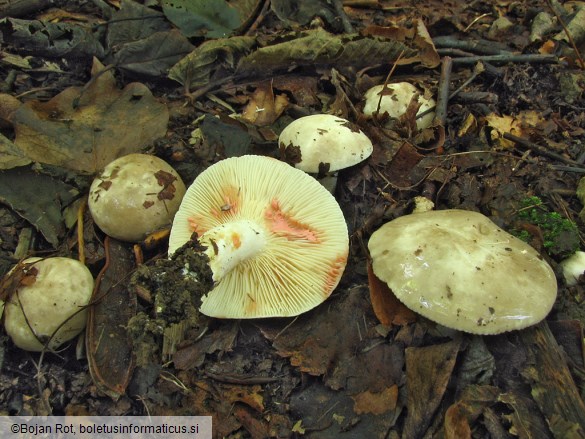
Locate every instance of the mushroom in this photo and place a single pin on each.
(53, 297)
(461, 270)
(395, 99)
(573, 267)
(322, 144)
(276, 239)
(134, 196)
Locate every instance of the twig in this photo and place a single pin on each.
(443, 93)
(529, 58)
(569, 36)
(540, 150)
(475, 21)
(485, 97)
(338, 7)
(386, 82)
(259, 19)
(568, 169)
(80, 240)
(241, 379)
(476, 71)
(478, 46)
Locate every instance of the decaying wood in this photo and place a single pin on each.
(553, 387)
(109, 351)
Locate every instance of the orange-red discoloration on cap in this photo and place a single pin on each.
(236, 240)
(334, 273)
(283, 224)
(194, 225)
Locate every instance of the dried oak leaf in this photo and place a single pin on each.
(388, 309)
(85, 129)
(264, 107)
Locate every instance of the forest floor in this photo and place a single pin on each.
(196, 82)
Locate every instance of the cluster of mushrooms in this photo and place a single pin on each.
(277, 240)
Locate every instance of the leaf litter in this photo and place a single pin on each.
(360, 365)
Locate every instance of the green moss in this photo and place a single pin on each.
(560, 235)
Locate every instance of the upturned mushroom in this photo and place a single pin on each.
(461, 270)
(394, 99)
(135, 195)
(53, 296)
(322, 144)
(276, 239)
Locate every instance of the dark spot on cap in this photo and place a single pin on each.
(165, 179)
(290, 154)
(105, 184)
(323, 169)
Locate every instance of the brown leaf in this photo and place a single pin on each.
(415, 36)
(388, 309)
(85, 129)
(399, 170)
(456, 423)
(264, 108)
(428, 370)
(21, 275)
(473, 401)
(376, 403)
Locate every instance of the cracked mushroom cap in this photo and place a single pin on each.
(135, 195)
(461, 270)
(276, 239)
(311, 142)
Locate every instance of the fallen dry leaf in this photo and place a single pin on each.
(376, 403)
(84, 130)
(428, 371)
(264, 108)
(388, 309)
(521, 125)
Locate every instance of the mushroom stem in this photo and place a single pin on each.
(232, 243)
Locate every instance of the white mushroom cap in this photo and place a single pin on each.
(459, 269)
(323, 139)
(395, 100)
(135, 195)
(573, 268)
(276, 239)
(61, 288)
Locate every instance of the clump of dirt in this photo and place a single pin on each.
(176, 286)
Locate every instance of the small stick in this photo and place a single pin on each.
(386, 82)
(569, 36)
(259, 19)
(477, 96)
(478, 46)
(479, 68)
(443, 93)
(80, 240)
(568, 169)
(529, 58)
(540, 150)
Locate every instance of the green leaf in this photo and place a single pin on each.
(209, 18)
(197, 68)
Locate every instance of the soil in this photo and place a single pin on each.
(509, 144)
